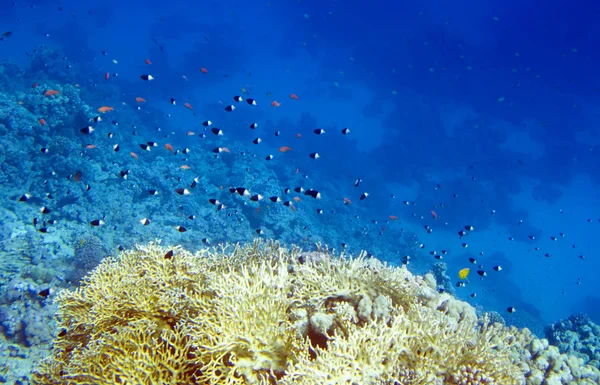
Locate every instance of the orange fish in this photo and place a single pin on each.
(393, 217)
(298, 136)
(190, 133)
(187, 105)
(257, 210)
(147, 61)
(297, 199)
(294, 96)
(90, 146)
(133, 154)
(225, 149)
(140, 100)
(275, 103)
(104, 109)
(34, 85)
(297, 171)
(347, 201)
(284, 149)
(42, 121)
(293, 208)
(77, 176)
(169, 147)
(434, 214)
(51, 92)
(185, 167)
(106, 76)
(203, 70)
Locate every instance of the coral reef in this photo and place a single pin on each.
(261, 313)
(578, 336)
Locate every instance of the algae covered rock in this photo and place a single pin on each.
(264, 314)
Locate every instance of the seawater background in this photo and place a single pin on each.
(497, 103)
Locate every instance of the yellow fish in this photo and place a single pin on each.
(464, 273)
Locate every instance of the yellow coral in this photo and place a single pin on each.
(263, 314)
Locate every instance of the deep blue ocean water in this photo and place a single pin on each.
(487, 114)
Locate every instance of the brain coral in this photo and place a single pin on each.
(264, 314)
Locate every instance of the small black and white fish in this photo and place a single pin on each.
(299, 190)
(242, 191)
(214, 201)
(147, 77)
(288, 190)
(469, 228)
(269, 157)
(216, 131)
(238, 98)
(275, 199)
(511, 309)
(357, 182)
(313, 193)
(125, 174)
(497, 268)
(345, 131)
(364, 196)
(319, 211)
(259, 231)
(97, 119)
(44, 293)
(45, 210)
(153, 192)
(253, 126)
(314, 155)
(207, 123)
(116, 148)
(97, 222)
(169, 254)
(110, 135)
(257, 141)
(182, 191)
(251, 102)
(185, 151)
(87, 130)
(277, 133)
(181, 229)
(25, 197)
(145, 147)
(145, 221)
(482, 273)
(173, 102)
(229, 108)
(473, 260)
(319, 131)
(256, 197)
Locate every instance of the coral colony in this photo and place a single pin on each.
(260, 314)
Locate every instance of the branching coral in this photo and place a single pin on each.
(263, 314)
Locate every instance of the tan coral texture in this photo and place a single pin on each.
(265, 314)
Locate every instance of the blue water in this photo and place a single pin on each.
(464, 110)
